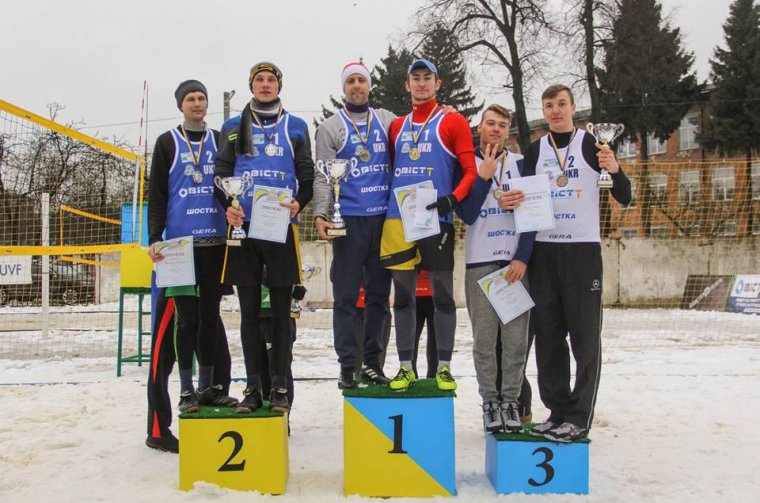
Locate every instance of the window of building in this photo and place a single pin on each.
(687, 133)
(658, 231)
(629, 232)
(724, 183)
(754, 180)
(655, 145)
(658, 183)
(727, 228)
(690, 230)
(626, 149)
(688, 187)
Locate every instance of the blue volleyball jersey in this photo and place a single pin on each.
(277, 170)
(365, 190)
(192, 208)
(436, 162)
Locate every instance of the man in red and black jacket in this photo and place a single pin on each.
(426, 145)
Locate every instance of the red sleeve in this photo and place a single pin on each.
(393, 132)
(457, 137)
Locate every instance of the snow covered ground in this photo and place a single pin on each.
(676, 420)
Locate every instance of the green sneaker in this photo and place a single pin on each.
(403, 380)
(445, 380)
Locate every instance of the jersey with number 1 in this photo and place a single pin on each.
(436, 162)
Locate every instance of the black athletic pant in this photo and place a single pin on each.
(566, 285)
(356, 261)
(162, 363)
(425, 315)
(252, 335)
(266, 376)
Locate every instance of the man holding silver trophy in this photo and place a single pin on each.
(353, 170)
(271, 147)
(566, 266)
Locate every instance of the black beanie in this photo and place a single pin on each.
(188, 86)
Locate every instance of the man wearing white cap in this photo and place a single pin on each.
(359, 132)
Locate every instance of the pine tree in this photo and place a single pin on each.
(647, 82)
(442, 48)
(732, 126)
(388, 82)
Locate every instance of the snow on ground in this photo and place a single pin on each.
(676, 420)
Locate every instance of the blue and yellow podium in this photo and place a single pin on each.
(399, 443)
(247, 452)
(527, 464)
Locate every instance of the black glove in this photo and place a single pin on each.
(445, 204)
(299, 292)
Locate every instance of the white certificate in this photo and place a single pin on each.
(178, 266)
(417, 221)
(269, 220)
(535, 213)
(509, 300)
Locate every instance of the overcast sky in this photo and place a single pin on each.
(93, 56)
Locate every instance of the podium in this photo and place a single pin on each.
(247, 452)
(399, 443)
(534, 465)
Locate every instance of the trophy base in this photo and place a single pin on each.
(234, 242)
(604, 184)
(336, 232)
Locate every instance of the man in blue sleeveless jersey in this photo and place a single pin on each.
(491, 244)
(566, 267)
(181, 203)
(273, 147)
(426, 145)
(359, 132)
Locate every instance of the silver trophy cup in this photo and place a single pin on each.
(336, 170)
(234, 186)
(308, 271)
(605, 133)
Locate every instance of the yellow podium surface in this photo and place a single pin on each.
(247, 452)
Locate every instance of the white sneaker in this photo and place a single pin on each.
(510, 416)
(566, 432)
(540, 430)
(491, 420)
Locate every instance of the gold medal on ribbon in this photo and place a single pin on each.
(562, 180)
(270, 149)
(497, 193)
(363, 154)
(414, 154)
(198, 177)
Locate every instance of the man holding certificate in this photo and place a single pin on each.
(566, 267)
(492, 244)
(182, 206)
(357, 132)
(431, 150)
(271, 147)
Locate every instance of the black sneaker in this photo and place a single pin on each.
(346, 379)
(566, 432)
(251, 401)
(213, 395)
(165, 443)
(188, 402)
(375, 375)
(278, 400)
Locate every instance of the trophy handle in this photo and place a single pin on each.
(218, 183)
(619, 130)
(590, 129)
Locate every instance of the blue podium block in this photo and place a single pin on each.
(399, 444)
(520, 463)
